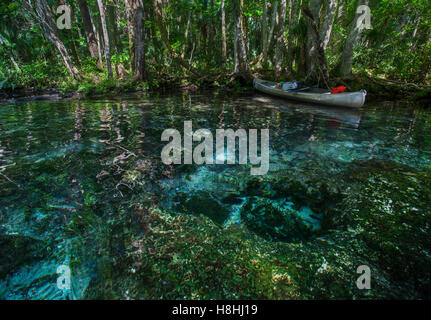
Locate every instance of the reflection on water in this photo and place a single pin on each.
(72, 172)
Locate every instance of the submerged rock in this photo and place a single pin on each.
(201, 203)
(312, 186)
(17, 250)
(275, 220)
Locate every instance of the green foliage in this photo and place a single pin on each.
(39, 75)
(396, 48)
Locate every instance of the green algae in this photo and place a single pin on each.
(134, 228)
(391, 213)
(179, 256)
(320, 267)
(16, 251)
(276, 221)
(202, 203)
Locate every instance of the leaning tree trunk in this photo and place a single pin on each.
(271, 32)
(328, 23)
(280, 39)
(89, 29)
(351, 42)
(51, 33)
(223, 35)
(9, 53)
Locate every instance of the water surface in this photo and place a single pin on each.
(82, 185)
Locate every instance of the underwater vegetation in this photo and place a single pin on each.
(90, 192)
(180, 253)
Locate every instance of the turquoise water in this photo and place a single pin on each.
(82, 185)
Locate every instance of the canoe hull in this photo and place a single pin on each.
(347, 99)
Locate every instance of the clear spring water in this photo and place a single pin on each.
(72, 172)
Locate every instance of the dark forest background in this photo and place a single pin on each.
(144, 43)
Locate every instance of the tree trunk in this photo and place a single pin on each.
(292, 15)
(244, 27)
(320, 72)
(264, 32)
(301, 69)
(114, 35)
(264, 37)
(89, 29)
(96, 30)
(235, 48)
(223, 35)
(130, 33)
(139, 45)
(271, 32)
(239, 36)
(105, 37)
(350, 44)
(311, 60)
(280, 39)
(325, 33)
(51, 33)
(158, 56)
(415, 31)
(402, 22)
(9, 53)
(204, 32)
(73, 51)
(186, 35)
(341, 15)
(159, 15)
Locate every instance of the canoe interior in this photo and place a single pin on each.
(308, 90)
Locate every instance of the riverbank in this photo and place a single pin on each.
(377, 88)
